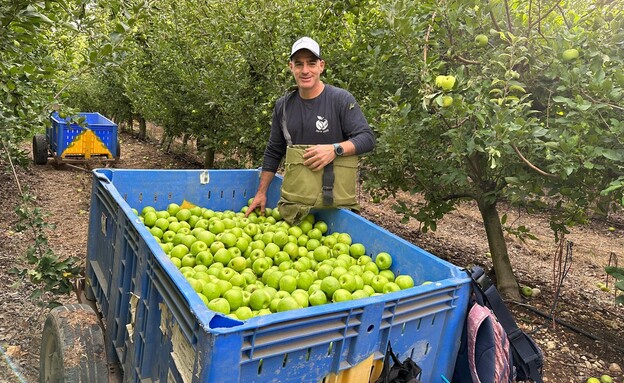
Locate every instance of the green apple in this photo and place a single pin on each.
(243, 313)
(197, 247)
(238, 280)
(226, 274)
(388, 274)
(359, 294)
(238, 263)
(229, 239)
(383, 260)
(341, 295)
(188, 260)
(179, 251)
(324, 270)
(219, 305)
(274, 278)
(287, 304)
(260, 299)
(150, 218)
(404, 281)
(446, 101)
(356, 250)
(312, 244)
(183, 214)
(570, 54)
(288, 283)
(322, 226)
(301, 296)
(481, 40)
(292, 249)
(341, 248)
(168, 236)
(390, 287)
(216, 246)
(234, 298)
(271, 249)
(445, 82)
(364, 259)
(317, 298)
(338, 271)
(202, 224)
(593, 380)
(280, 238)
(378, 282)
(162, 223)
(526, 291)
(606, 379)
(368, 289)
(329, 285)
(222, 256)
(204, 258)
(305, 279)
(347, 282)
(281, 257)
(346, 239)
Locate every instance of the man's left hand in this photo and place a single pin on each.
(318, 156)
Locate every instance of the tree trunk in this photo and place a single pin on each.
(142, 128)
(209, 157)
(130, 124)
(505, 279)
(185, 138)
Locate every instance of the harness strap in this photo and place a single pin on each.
(328, 184)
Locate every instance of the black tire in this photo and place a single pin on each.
(72, 347)
(40, 149)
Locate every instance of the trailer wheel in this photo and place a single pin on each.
(72, 346)
(40, 149)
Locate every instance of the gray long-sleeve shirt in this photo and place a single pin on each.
(332, 117)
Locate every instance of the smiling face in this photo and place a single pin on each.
(307, 69)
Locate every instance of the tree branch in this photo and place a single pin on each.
(466, 61)
(546, 14)
(540, 171)
(509, 24)
(601, 102)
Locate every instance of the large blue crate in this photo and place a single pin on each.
(63, 132)
(159, 329)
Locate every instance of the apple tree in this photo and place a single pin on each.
(500, 101)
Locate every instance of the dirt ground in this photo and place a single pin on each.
(587, 338)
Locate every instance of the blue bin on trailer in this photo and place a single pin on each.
(158, 329)
(71, 142)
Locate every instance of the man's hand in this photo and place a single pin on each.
(318, 156)
(259, 201)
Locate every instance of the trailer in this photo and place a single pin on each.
(140, 320)
(77, 139)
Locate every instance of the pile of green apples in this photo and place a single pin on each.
(257, 265)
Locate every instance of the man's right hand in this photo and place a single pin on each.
(259, 201)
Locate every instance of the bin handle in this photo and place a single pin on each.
(102, 177)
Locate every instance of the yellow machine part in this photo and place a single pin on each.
(86, 144)
(367, 371)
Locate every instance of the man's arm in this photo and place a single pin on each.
(260, 199)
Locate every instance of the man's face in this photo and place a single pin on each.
(307, 69)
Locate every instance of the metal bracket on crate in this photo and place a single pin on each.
(204, 177)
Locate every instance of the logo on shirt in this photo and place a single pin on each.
(322, 126)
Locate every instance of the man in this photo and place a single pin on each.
(325, 118)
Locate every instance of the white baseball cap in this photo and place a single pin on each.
(306, 43)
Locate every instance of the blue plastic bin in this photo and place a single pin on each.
(158, 328)
(63, 134)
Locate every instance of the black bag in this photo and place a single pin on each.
(528, 359)
(406, 372)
